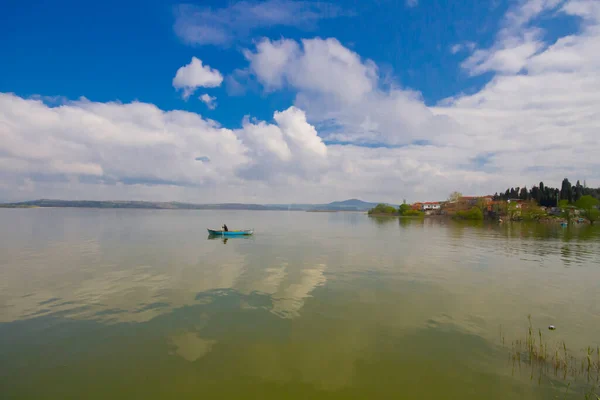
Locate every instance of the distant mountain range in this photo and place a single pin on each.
(346, 205)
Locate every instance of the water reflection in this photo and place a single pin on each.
(190, 346)
(342, 305)
(226, 238)
(387, 337)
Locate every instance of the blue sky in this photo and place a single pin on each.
(126, 51)
(427, 67)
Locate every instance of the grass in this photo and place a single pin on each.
(553, 359)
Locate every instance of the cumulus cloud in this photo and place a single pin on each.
(220, 26)
(210, 101)
(111, 143)
(287, 150)
(339, 89)
(134, 150)
(195, 75)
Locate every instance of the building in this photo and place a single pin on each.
(431, 206)
(465, 203)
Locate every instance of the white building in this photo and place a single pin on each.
(431, 206)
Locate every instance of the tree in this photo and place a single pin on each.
(383, 209)
(481, 204)
(565, 209)
(565, 191)
(578, 192)
(523, 194)
(531, 211)
(589, 205)
(454, 196)
(536, 195)
(404, 208)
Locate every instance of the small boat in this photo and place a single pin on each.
(245, 232)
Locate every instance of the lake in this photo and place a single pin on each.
(141, 304)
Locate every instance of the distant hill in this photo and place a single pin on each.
(346, 205)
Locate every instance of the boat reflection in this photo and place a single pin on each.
(225, 239)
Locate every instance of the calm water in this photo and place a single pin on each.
(128, 304)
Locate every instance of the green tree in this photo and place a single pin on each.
(404, 208)
(563, 204)
(413, 213)
(383, 209)
(532, 212)
(589, 206)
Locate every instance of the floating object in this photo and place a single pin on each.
(563, 224)
(244, 232)
(551, 327)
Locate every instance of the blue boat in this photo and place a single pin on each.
(245, 232)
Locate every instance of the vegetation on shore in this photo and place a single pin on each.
(541, 358)
(404, 210)
(541, 204)
(474, 214)
(550, 197)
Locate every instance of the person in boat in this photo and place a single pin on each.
(225, 228)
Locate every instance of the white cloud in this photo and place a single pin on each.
(457, 48)
(195, 75)
(321, 66)
(137, 151)
(111, 143)
(335, 86)
(509, 56)
(589, 10)
(516, 42)
(220, 26)
(412, 3)
(210, 101)
(279, 152)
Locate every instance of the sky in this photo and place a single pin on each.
(287, 101)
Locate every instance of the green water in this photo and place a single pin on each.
(128, 304)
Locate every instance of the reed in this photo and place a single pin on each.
(553, 359)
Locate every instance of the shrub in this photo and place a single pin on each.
(412, 213)
(383, 209)
(473, 214)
